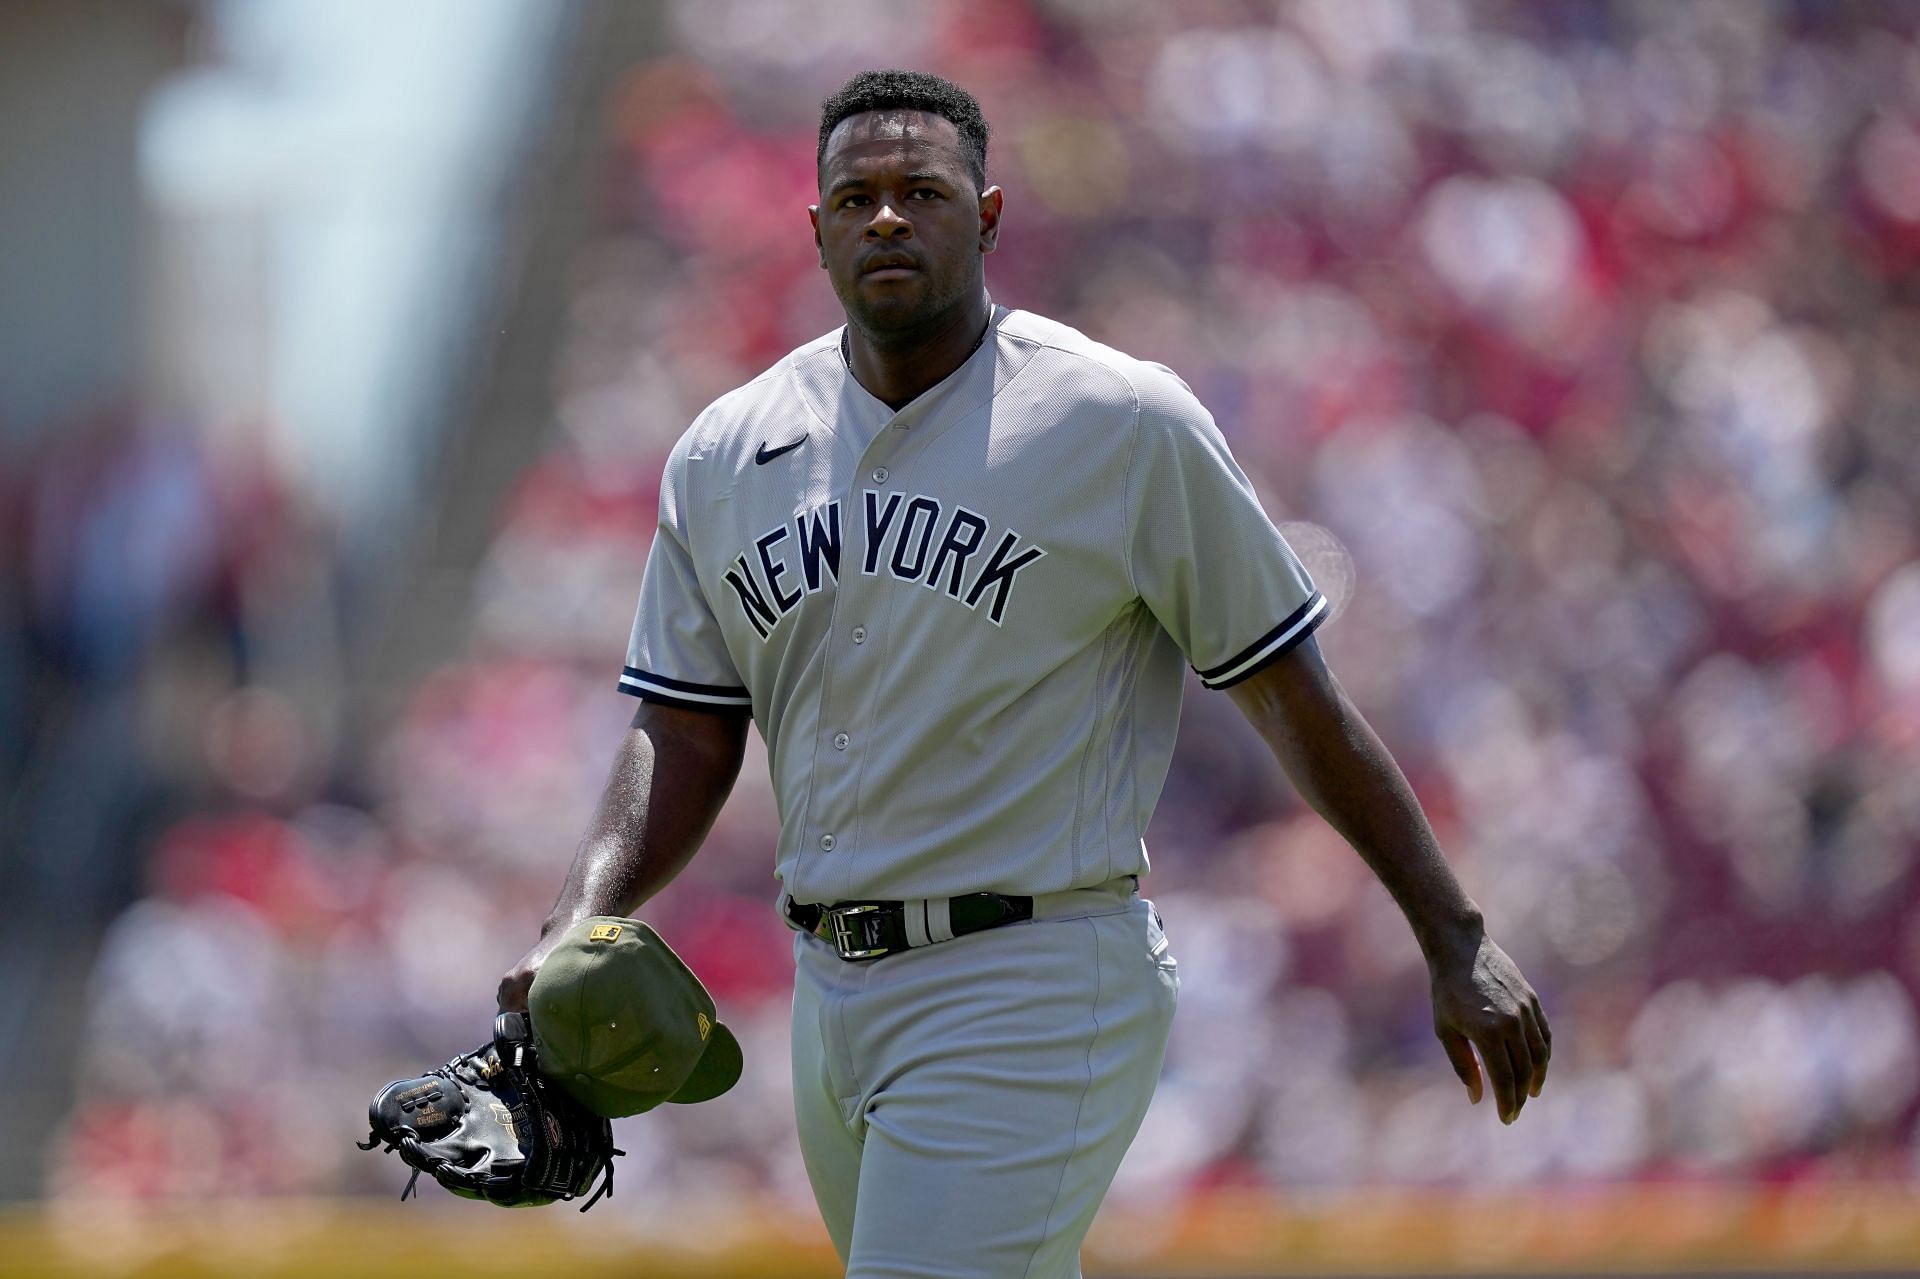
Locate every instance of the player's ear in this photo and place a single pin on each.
(813, 216)
(989, 219)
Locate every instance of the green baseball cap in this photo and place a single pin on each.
(622, 1023)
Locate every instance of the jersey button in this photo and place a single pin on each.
(840, 741)
(859, 634)
(879, 475)
(826, 843)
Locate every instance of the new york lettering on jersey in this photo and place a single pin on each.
(918, 539)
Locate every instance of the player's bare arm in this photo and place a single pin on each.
(1341, 768)
(674, 770)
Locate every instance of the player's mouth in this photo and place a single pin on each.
(890, 267)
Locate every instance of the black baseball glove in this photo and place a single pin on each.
(488, 1125)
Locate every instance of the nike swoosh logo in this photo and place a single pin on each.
(766, 455)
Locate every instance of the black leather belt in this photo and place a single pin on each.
(874, 930)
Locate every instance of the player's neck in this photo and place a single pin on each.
(898, 368)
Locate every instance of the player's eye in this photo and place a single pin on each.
(854, 201)
(928, 192)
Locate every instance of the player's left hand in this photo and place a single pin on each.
(1481, 1001)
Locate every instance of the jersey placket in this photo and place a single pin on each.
(857, 644)
(859, 631)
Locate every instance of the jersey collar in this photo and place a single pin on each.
(829, 389)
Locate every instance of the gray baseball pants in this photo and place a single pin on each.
(963, 1107)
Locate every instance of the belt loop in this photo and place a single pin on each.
(913, 915)
(939, 919)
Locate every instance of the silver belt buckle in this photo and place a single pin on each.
(843, 938)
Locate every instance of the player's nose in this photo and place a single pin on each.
(887, 224)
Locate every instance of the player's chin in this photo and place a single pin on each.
(893, 310)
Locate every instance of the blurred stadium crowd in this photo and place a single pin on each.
(1577, 347)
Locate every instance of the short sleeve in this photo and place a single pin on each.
(677, 653)
(1203, 555)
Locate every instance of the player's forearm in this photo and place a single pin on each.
(673, 772)
(1343, 770)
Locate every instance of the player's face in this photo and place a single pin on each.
(900, 227)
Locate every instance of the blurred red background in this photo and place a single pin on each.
(1577, 347)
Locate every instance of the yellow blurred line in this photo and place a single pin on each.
(307, 1239)
(1626, 1229)
(1629, 1230)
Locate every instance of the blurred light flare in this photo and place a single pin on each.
(1893, 631)
(1509, 247)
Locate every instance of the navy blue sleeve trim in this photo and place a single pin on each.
(666, 699)
(680, 692)
(683, 686)
(1270, 647)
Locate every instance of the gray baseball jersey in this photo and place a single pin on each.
(961, 627)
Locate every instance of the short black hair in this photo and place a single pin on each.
(894, 90)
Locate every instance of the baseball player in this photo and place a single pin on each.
(952, 560)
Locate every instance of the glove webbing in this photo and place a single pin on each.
(408, 1148)
(540, 1154)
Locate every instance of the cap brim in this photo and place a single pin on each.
(717, 1070)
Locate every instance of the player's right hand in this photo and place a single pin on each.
(512, 993)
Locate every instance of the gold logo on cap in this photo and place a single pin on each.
(706, 1027)
(604, 932)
